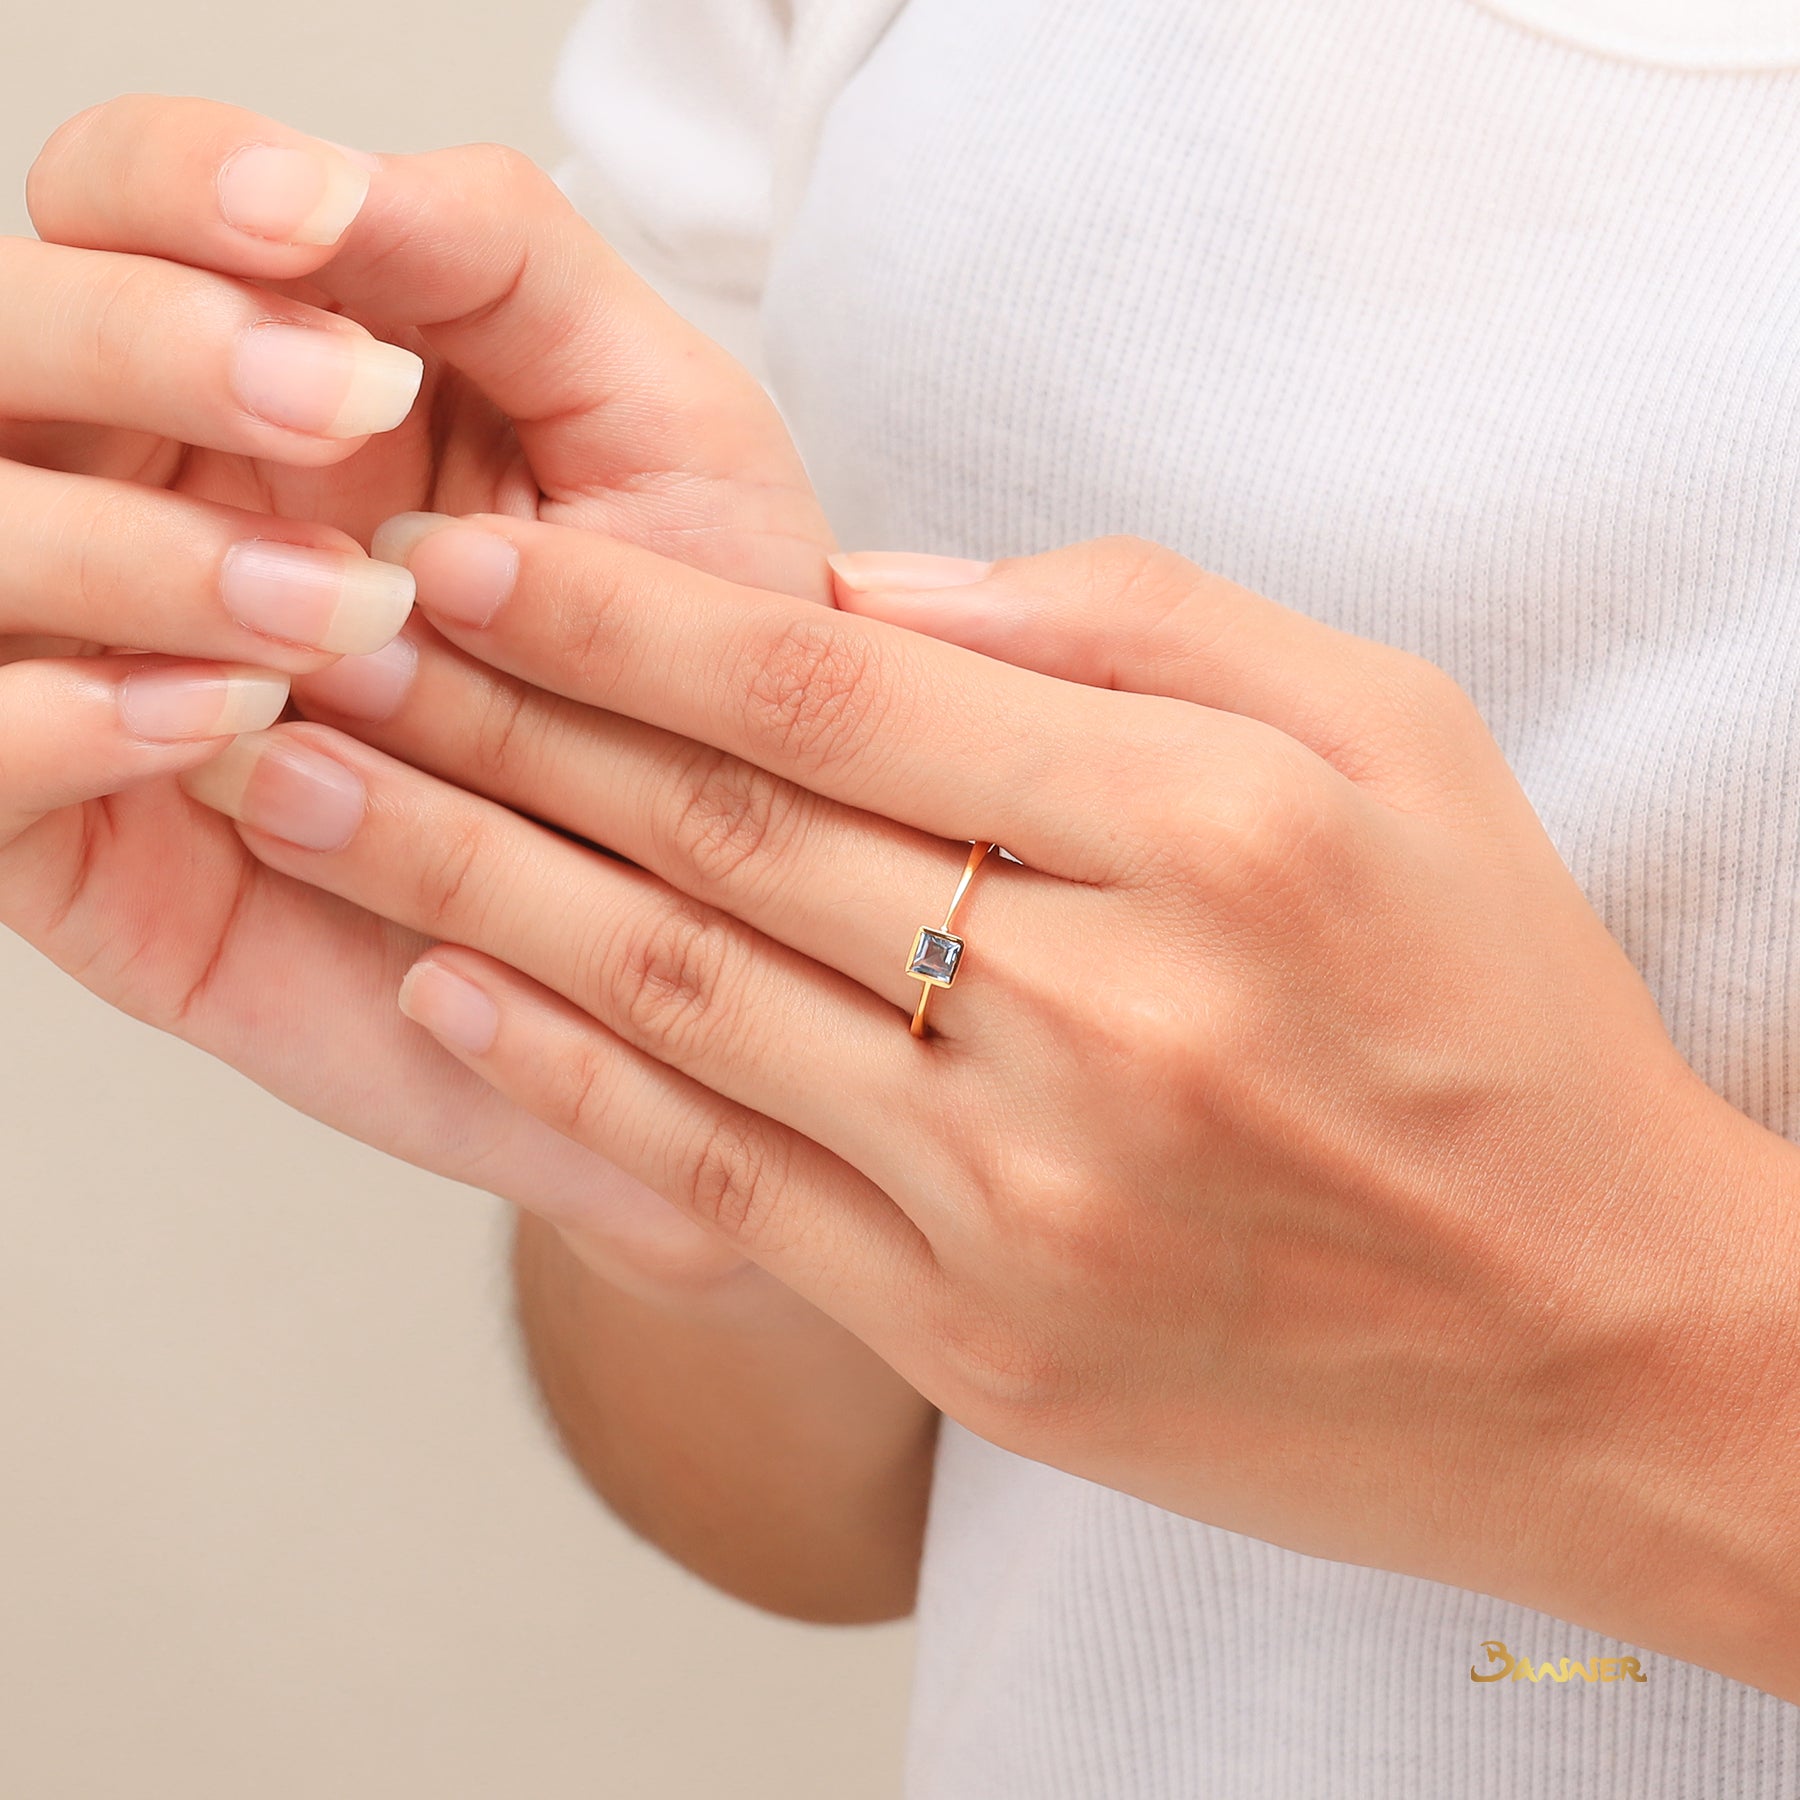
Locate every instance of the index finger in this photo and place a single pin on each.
(919, 731)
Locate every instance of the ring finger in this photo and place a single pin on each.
(113, 563)
(688, 985)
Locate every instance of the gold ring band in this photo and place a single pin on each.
(937, 951)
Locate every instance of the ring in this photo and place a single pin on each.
(937, 952)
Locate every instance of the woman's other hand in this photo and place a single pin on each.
(233, 351)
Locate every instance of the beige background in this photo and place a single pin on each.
(277, 1517)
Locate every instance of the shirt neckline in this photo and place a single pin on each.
(1696, 45)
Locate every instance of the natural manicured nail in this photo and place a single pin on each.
(325, 599)
(464, 573)
(291, 196)
(364, 687)
(172, 706)
(333, 384)
(455, 1011)
(284, 788)
(364, 159)
(395, 539)
(901, 572)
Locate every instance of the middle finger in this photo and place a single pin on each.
(110, 562)
(103, 339)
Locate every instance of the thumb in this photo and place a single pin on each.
(653, 432)
(611, 393)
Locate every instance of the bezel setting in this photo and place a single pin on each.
(936, 956)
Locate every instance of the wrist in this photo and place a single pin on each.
(1677, 1529)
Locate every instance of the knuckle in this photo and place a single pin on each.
(1123, 571)
(727, 814)
(505, 168)
(123, 305)
(1138, 1025)
(445, 886)
(1006, 1371)
(576, 1096)
(814, 694)
(1066, 1217)
(733, 1178)
(1422, 693)
(665, 979)
(590, 626)
(1129, 559)
(40, 179)
(1266, 831)
(107, 517)
(502, 196)
(1046, 1218)
(1410, 730)
(77, 888)
(504, 731)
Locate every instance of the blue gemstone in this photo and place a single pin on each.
(935, 957)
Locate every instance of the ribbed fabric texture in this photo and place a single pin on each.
(1462, 337)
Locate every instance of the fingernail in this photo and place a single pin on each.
(395, 539)
(364, 687)
(287, 789)
(364, 159)
(326, 599)
(455, 1011)
(464, 574)
(291, 196)
(170, 706)
(900, 572)
(329, 383)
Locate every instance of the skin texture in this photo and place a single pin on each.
(1340, 1185)
(554, 386)
(759, 1445)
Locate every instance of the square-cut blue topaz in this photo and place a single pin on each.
(935, 956)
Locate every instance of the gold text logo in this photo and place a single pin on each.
(1518, 1668)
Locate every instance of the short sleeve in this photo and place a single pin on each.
(692, 125)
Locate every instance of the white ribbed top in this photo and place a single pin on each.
(1468, 328)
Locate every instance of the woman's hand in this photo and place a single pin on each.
(1295, 1149)
(207, 379)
